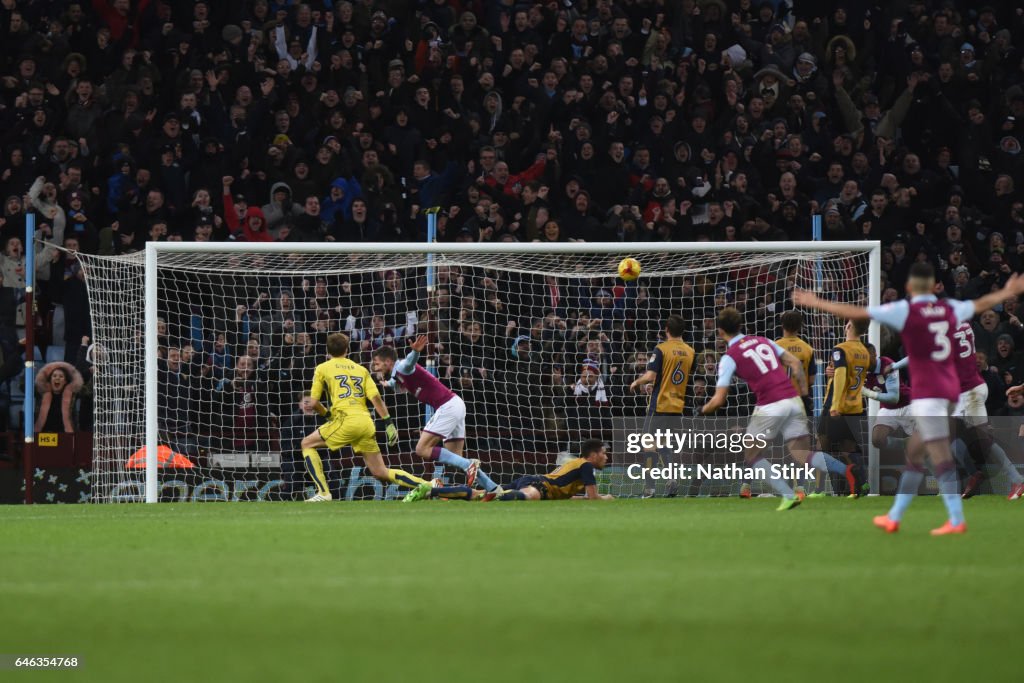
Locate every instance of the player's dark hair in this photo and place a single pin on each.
(385, 353)
(675, 325)
(337, 344)
(860, 327)
(922, 270)
(591, 446)
(793, 321)
(729, 320)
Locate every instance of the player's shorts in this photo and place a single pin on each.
(355, 431)
(896, 418)
(971, 406)
(449, 421)
(536, 481)
(785, 417)
(931, 417)
(840, 428)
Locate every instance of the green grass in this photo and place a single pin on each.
(661, 590)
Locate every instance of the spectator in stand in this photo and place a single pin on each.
(56, 386)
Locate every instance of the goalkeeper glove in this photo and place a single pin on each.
(870, 393)
(391, 431)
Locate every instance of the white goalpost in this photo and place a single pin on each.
(203, 349)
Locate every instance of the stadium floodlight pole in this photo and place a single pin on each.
(875, 337)
(152, 370)
(30, 351)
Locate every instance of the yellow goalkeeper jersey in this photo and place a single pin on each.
(348, 384)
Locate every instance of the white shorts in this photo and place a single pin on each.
(931, 417)
(896, 418)
(449, 421)
(971, 406)
(785, 417)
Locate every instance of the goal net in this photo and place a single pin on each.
(542, 344)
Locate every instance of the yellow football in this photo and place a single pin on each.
(629, 269)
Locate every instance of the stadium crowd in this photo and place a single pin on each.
(125, 121)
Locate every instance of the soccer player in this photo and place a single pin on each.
(883, 384)
(843, 400)
(349, 387)
(926, 326)
(971, 410)
(567, 481)
(766, 368)
(668, 369)
(444, 436)
(791, 341)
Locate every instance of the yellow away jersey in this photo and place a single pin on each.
(348, 384)
(847, 399)
(804, 353)
(672, 360)
(570, 479)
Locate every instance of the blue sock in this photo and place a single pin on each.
(827, 463)
(485, 481)
(949, 489)
(445, 456)
(777, 483)
(960, 455)
(910, 482)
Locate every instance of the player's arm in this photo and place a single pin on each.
(796, 369)
(807, 299)
(589, 478)
(374, 397)
(892, 390)
(894, 368)
(590, 493)
(312, 402)
(651, 374)
(1013, 287)
(839, 377)
(726, 369)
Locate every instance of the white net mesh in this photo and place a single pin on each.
(240, 334)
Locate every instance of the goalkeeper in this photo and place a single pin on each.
(350, 387)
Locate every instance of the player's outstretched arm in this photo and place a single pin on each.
(590, 491)
(716, 402)
(801, 297)
(1013, 287)
(389, 427)
(647, 378)
(419, 344)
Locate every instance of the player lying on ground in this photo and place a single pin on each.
(927, 326)
(349, 387)
(763, 365)
(444, 436)
(572, 478)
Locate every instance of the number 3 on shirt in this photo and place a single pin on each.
(357, 382)
(940, 329)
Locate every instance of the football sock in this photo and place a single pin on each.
(910, 482)
(512, 495)
(960, 454)
(827, 463)
(403, 478)
(1000, 458)
(485, 481)
(445, 456)
(315, 467)
(777, 483)
(949, 489)
(452, 492)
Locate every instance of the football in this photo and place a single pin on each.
(629, 269)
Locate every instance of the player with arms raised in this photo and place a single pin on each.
(766, 368)
(349, 387)
(926, 326)
(669, 371)
(444, 436)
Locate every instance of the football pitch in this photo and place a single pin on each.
(653, 590)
